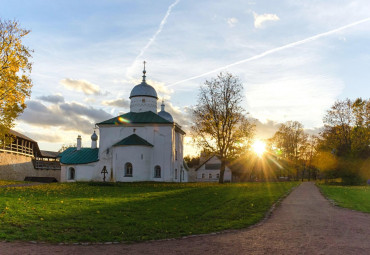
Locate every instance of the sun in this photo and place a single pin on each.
(259, 147)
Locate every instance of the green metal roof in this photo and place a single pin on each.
(133, 140)
(136, 118)
(72, 156)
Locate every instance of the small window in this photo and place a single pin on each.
(143, 100)
(128, 169)
(157, 172)
(176, 173)
(71, 173)
(203, 176)
(142, 156)
(210, 176)
(176, 154)
(218, 176)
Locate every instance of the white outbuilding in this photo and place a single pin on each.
(209, 171)
(141, 145)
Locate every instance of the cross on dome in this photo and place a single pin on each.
(144, 71)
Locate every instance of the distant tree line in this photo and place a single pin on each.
(341, 150)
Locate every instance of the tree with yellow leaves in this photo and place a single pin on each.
(15, 69)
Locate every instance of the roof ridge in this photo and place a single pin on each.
(136, 118)
(133, 139)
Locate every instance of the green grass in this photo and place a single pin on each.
(129, 212)
(3, 183)
(352, 197)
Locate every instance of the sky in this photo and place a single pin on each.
(294, 58)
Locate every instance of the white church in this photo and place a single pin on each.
(141, 145)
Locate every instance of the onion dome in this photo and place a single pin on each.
(165, 114)
(94, 137)
(143, 89)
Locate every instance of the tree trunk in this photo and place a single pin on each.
(222, 171)
(296, 173)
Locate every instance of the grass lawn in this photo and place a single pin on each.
(91, 212)
(3, 183)
(352, 197)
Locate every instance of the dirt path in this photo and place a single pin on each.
(305, 223)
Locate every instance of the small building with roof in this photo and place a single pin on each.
(209, 170)
(141, 145)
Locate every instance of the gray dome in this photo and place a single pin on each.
(94, 137)
(143, 89)
(165, 115)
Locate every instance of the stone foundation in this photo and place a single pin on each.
(16, 167)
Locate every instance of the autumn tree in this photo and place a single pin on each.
(347, 128)
(290, 140)
(220, 124)
(15, 68)
(308, 152)
(192, 161)
(346, 139)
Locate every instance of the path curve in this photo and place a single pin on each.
(304, 223)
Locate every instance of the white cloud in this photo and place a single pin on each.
(304, 98)
(180, 116)
(66, 116)
(232, 21)
(120, 102)
(81, 85)
(57, 98)
(260, 19)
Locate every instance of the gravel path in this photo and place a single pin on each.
(304, 223)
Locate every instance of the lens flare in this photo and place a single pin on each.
(259, 147)
(123, 120)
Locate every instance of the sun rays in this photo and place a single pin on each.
(259, 147)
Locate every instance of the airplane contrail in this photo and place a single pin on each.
(268, 52)
(152, 39)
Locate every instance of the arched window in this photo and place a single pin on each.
(128, 169)
(176, 173)
(71, 173)
(157, 172)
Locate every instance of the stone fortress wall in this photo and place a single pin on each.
(16, 167)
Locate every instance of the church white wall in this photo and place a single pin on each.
(162, 152)
(178, 152)
(83, 172)
(202, 171)
(143, 104)
(165, 142)
(139, 156)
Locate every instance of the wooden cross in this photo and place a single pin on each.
(104, 172)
